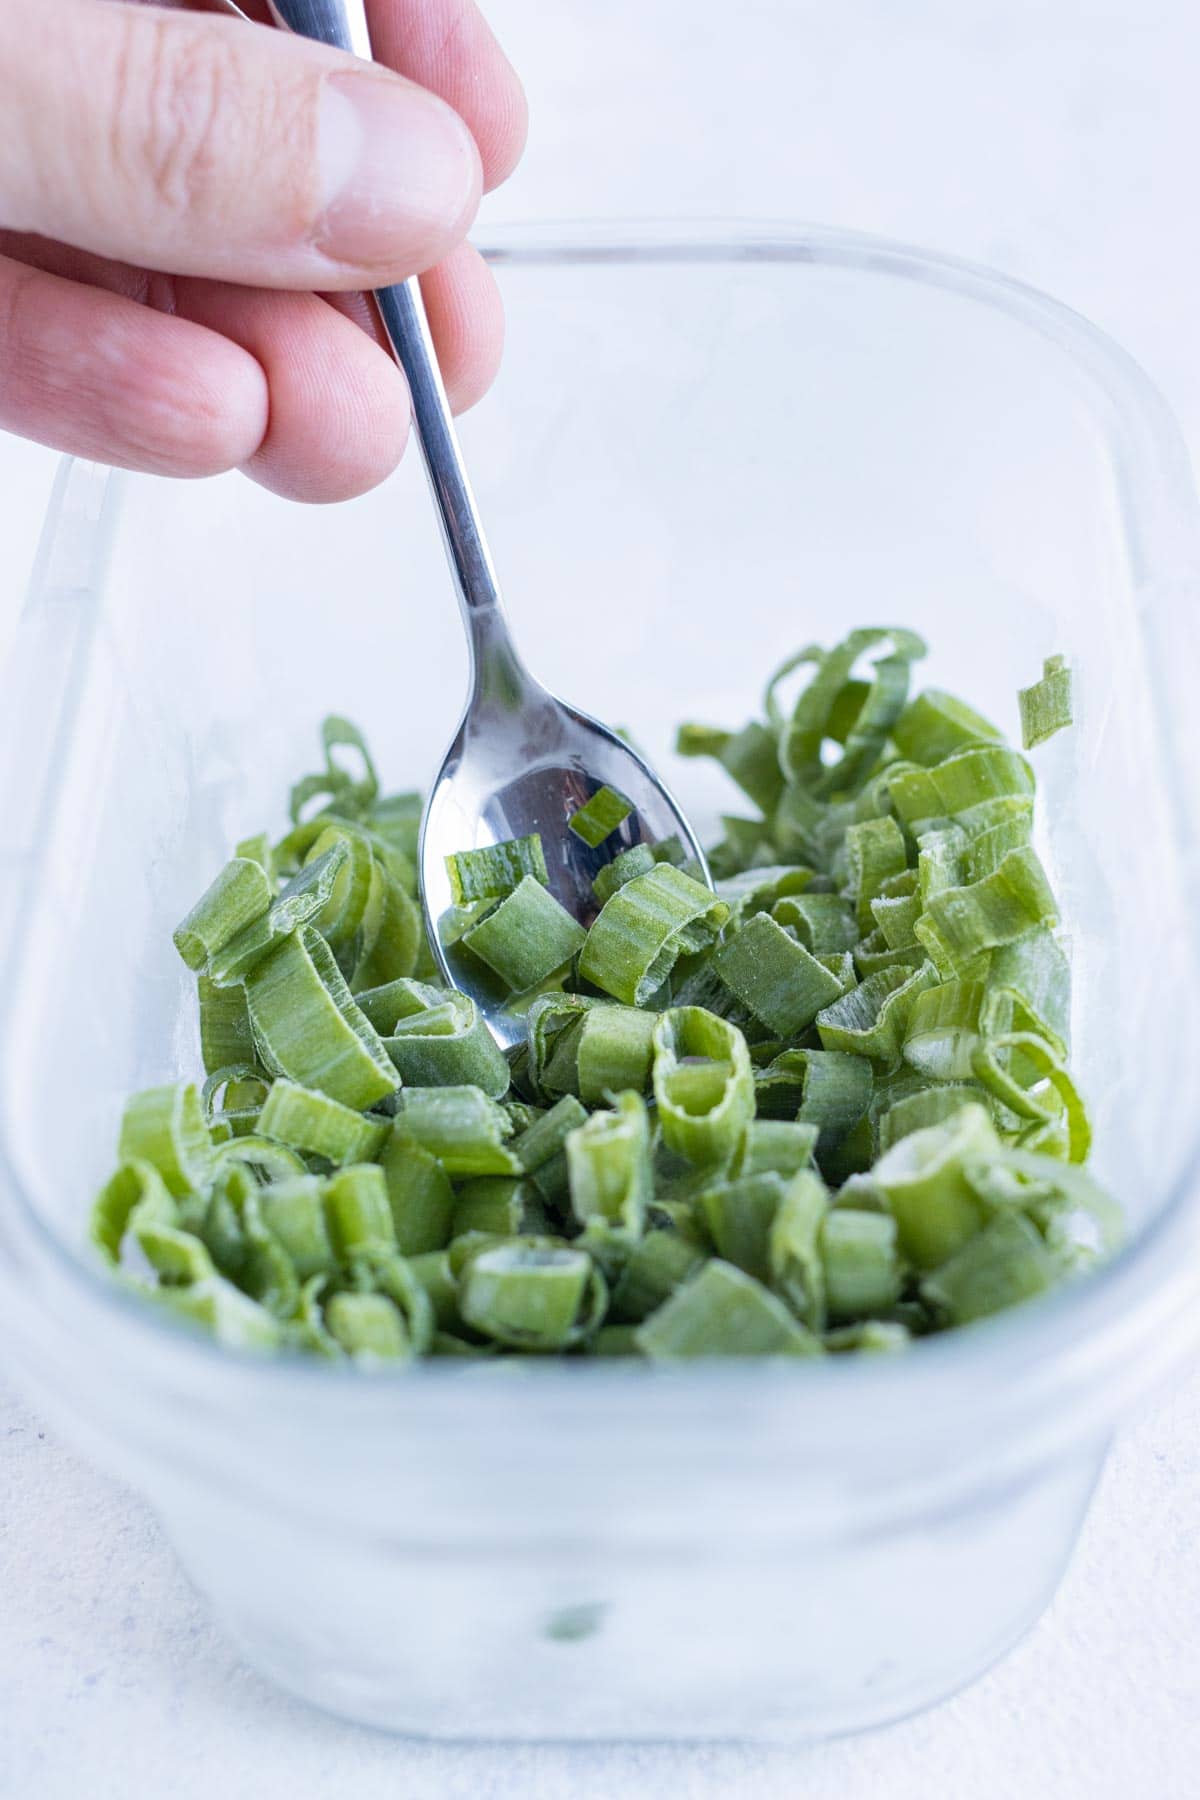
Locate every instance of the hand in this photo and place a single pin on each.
(192, 206)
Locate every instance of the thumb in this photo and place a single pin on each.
(204, 146)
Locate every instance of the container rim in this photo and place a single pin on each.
(1074, 1360)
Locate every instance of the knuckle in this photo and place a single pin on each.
(174, 105)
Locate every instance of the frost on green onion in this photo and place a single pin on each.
(827, 1107)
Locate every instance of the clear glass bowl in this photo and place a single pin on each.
(707, 447)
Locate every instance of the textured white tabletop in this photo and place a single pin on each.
(1059, 140)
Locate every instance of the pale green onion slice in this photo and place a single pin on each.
(721, 1311)
(794, 1261)
(783, 1146)
(945, 1029)
(738, 1215)
(701, 1121)
(1003, 1264)
(614, 1052)
(645, 927)
(419, 1193)
(233, 1099)
(502, 1205)
(533, 1297)
(748, 756)
(863, 1273)
(823, 923)
(830, 1089)
(883, 1336)
(1046, 706)
(461, 1127)
(655, 1267)
(431, 1269)
(226, 1314)
(961, 922)
(526, 936)
(774, 977)
(989, 1068)
(308, 1028)
(876, 851)
(608, 1165)
(306, 1120)
(923, 1180)
(226, 1035)
(931, 1106)
(873, 1019)
(240, 894)
(166, 1126)
(599, 817)
(636, 861)
(541, 1150)
(358, 1213)
(813, 720)
(496, 869)
(297, 905)
(1029, 989)
(136, 1193)
(935, 725)
(368, 1327)
(448, 1044)
(294, 1213)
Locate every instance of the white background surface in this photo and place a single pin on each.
(1058, 139)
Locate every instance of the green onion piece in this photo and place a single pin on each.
(397, 819)
(1029, 989)
(502, 1205)
(135, 1193)
(380, 1269)
(644, 928)
(931, 1106)
(986, 850)
(166, 1126)
(776, 978)
(939, 861)
(739, 1215)
(830, 1089)
(532, 1297)
(657, 1264)
(599, 817)
(794, 1262)
(496, 869)
(308, 1028)
(988, 1068)
(896, 917)
(258, 849)
(226, 1035)
(1003, 907)
(873, 1019)
(721, 1311)
(233, 1099)
(448, 1044)
(945, 1029)
(271, 1162)
(461, 1127)
(614, 1052)
(936, 725)
(226, 1314)
(784, 1146)
(358, 1213)
(240, 894)
(823, 923)
(368, 1327)
(419, 1193)
(608, 1164)
(923, 1180)
(432, 1270)
(298, 904)
(748, 756)
(1046, 706)
(350, 790)
(294, 1213)
(876, 851)
(541, 1149)
(702, 1124)
(884, 1336)
(637, 860)
(526, 936)
(866, 728)
(306, 1120)
(863, 1273)
(1001, 1265)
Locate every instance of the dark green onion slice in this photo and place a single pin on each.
(1046, 706)
(599, 817)
(496, 869)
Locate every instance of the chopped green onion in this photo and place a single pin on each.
(643, 930)
(774, 977)
(304, 1119)
(526, 936)
(240, 895)
(635, 861)
(608, 1164)
(1046, 706)
(721, 1311)
(701, 1121)
(496, 869)
(532, 1297)
(599, 817)
(307, 1026)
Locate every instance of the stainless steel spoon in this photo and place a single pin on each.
(521, 761)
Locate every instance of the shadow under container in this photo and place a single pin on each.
(706, 448)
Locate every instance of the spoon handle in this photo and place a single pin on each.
(343, 25)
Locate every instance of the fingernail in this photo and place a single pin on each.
(399, 173)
